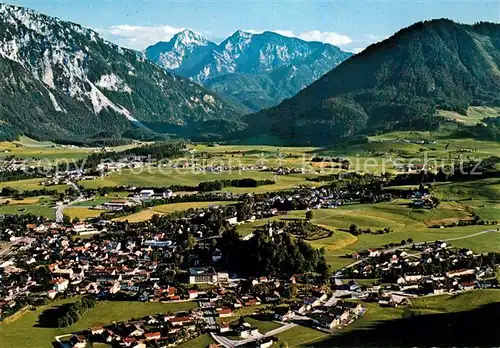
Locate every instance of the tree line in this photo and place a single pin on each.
(67, 315)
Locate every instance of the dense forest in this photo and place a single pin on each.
(488, 129)
(263, 255)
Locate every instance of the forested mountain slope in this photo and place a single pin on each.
(61, 81)
(395, 84)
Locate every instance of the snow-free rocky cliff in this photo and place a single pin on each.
(59, 80)
(258, 70)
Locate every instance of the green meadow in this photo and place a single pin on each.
(22, 331)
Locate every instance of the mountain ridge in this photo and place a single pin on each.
(80, 85)
(395, 84)
(258, 70)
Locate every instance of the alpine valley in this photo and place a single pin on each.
(62, 82)
(256, 70)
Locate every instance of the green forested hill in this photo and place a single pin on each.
(396, 84)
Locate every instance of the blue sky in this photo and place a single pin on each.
(351, 25)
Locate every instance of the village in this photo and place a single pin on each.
(113, 261)
(242, 269)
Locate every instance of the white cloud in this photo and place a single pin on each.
(357, 49)
(327, 37)
(362, 42)
(312, 35)
(138, 37)
(288, 33)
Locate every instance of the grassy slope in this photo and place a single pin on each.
(31, 184)
(405, 223)
(447, 316)
(474, 114)
(199, 342)
(300, 336)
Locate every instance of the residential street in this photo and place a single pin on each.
(230, 343)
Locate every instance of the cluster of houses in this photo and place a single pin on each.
(423, 269)
(218, 313)
(13, 164)
(84, 266)
(323, 312)
(129, 265)
(161, 330)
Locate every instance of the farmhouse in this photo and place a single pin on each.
(325, 320)
(200, 275)
(116, 204)
(146, 193)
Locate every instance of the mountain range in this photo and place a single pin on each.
(61, 81)
(255, 70)
(398, 83)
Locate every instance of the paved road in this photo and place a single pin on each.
(226, 342)
(60, 208)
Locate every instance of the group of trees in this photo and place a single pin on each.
(487, 129)
(20, 174)
(356, 231)
(67, 315)
(275, 255)
(306, 230)
(475, 220)
(17, 224)
(16, 194)
(220, 184)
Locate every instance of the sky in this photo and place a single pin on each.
(350, 24)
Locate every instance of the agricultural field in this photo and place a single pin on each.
(404, 222)
(200, 341)
(47, 153)
(382, 152)
(248, 155)
(458, 201)
(480, 191)
(301, 336)
(82, 212)
(167, 209)
(164, 177)
(31, 184)
(42, 206)
(22, 331)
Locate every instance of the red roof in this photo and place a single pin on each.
(224, 311)
(151, 335)
(121, 201)
(179, 319)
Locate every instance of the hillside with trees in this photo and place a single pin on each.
(398, 83)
